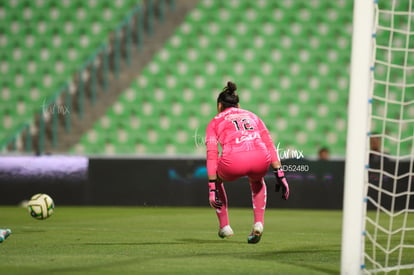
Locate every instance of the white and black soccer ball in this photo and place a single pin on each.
(40, 206)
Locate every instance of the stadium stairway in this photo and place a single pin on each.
(128, 72)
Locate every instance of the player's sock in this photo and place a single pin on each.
(259, 197)
(222, 214)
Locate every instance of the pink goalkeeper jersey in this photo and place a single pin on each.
(236, 130)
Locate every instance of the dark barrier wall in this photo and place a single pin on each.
(172, 182)
(180, 182)
(62, 177)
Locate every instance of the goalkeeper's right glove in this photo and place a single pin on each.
(281, 182)
(213, 195)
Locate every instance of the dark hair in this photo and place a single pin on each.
(228, 97)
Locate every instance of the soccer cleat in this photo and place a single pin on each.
(5, 233)
(225, 232)
(1, 238)
(256, 234)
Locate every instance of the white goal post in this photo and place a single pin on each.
(378, 207)
(355, 172)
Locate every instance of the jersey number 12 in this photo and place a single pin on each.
(245, 123)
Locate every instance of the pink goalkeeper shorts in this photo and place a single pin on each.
(253, 164)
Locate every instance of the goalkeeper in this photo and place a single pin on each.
(247, 150)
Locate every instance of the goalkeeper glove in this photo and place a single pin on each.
(281, 182)
(213, 196)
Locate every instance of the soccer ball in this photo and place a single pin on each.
(40, 206)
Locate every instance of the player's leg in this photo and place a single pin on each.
(222, 213)
(259, 166)
(225, 173)
(259, 198)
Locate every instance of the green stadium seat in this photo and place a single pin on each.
(289, 59)
(42, 43)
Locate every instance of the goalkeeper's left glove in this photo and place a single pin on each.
(281, 182)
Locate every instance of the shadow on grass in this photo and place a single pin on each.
(204, 241)
(132, 243)
(178, 241)
(134, 260)
(93, 267)
(311, 258)
(28, 231)
(308, 257)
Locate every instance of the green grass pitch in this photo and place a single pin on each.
(165, 240)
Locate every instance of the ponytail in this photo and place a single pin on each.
(228, 97)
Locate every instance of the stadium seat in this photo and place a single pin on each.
(290, 60)
(42, 43)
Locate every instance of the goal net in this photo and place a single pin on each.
(385, 236)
